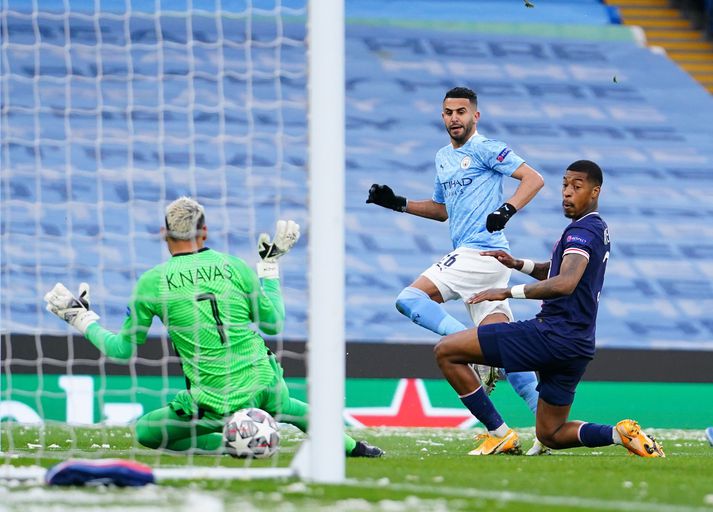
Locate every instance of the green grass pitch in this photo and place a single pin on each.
(424, 469)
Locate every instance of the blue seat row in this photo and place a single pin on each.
(91, 155)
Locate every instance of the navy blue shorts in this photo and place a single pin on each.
(520, 346)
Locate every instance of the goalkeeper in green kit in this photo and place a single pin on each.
(207, 300)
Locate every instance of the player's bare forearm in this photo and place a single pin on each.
(547, 289)
(557, 286)
(539, 272)
(490, 294)
(428, 209)
(530, 184)
(563, 284)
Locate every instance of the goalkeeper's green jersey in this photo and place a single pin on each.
(207, 300)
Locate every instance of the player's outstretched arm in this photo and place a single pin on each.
(382, 195)
(268, 309)
(429, 209)
(530, 183)
(77, 313)
(537, 270)
(563, 284)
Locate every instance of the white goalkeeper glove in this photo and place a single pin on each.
(287, 232)
(74, 311)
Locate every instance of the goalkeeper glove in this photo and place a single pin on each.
(74, 311)
(497, 220)
(384, 196)
(287, 232)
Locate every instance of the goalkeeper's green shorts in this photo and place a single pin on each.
(273, 399)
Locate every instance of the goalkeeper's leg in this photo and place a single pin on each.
(295, 412)
(277, 401)
(170, 430)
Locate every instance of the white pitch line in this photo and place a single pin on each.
(536, 499)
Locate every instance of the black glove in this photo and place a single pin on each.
(384, 196)
(497, 220)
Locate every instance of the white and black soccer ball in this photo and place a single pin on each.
(251, 433)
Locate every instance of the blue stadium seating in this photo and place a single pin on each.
(553, 98)
(585, 12)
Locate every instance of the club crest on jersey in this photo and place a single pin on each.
(465, 163)
(505, 152)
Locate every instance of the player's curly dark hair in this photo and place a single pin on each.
(592, 170)
(463, 92)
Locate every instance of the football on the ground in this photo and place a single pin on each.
(251, 433)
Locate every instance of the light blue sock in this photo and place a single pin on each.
(418, 306)
(525, 385)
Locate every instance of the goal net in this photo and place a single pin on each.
(112, 109)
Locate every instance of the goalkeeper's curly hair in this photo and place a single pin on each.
(184, 218)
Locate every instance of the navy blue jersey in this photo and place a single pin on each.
(570, 322)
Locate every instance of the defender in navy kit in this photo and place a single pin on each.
(558, 343)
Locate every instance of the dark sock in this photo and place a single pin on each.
(482, 408)
(593, 435)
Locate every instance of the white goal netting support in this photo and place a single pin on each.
(110, 110)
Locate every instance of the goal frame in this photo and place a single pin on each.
(326, 332)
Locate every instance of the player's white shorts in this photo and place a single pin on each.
(464, 272)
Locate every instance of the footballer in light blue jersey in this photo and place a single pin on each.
(469, 181)
(469, 194)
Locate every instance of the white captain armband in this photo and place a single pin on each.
(527, 266)
(518, 291)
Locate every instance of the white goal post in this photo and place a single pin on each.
(326, 346)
